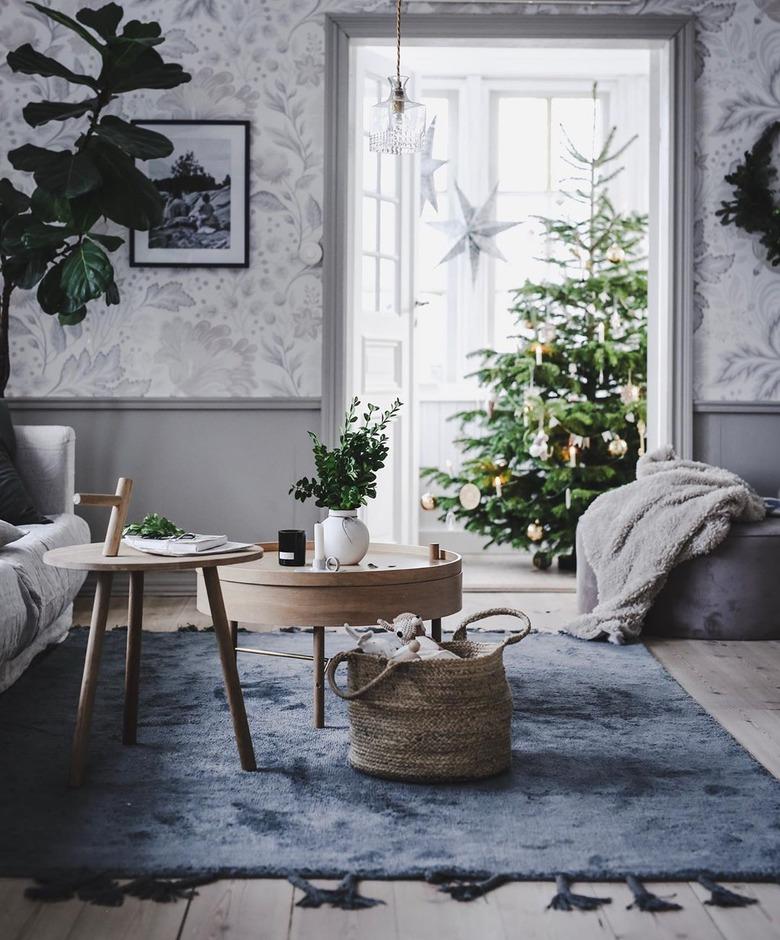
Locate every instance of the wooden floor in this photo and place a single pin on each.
(739, 683)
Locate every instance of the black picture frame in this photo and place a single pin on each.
(142, 255)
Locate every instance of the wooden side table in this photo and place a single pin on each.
(91, 558)
(390, 580)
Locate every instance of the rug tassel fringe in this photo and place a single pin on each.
(104, 891)
(460, 890)
(645, 900)
(165, 890)
(722, 897)
(566, 900)
(344, 896)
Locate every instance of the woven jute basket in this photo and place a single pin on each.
(435, 721)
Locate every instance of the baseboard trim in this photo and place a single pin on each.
(164, 404)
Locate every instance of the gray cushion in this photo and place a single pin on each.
(9, 533)
(33, 594)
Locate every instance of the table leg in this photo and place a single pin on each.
(234, 634)
(436, 629)
(319, 677)
(135, 609)
(227, 654)
(97, 629)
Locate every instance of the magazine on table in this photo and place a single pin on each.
(190, 543)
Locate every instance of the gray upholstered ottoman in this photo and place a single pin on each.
(731, 594)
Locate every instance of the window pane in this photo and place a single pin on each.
(388, 180)
(387, 286)
(431, 328)
(369, 224)
(522, 144)
(576, 116)
(371, 171)
(371, 95)
(368, 283)
(388, 242)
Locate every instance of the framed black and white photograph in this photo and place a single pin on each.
(205, 186)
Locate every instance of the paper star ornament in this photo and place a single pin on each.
(428, 166)
(475, 232)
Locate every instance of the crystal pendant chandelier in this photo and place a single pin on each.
(397, 124)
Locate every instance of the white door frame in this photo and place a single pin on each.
(671, 355)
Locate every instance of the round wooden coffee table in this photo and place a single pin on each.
(90, 557)
(390, 580)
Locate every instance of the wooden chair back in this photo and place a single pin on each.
(119, 503)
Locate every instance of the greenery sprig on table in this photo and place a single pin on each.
(153, 526)
(49, 238)
(346, 474)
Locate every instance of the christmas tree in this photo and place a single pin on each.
(566, 412)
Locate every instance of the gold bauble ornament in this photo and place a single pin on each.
(469, 496)
(535, 531)
(428, 501)
(615, 254)
(617, 447)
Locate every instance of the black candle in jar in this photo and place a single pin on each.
(292, 547)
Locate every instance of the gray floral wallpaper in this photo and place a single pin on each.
(257, 332)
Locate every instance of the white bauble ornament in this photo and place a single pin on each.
(428, 501)
(469, 496)
(617, 447)
(538, 447)
(615, 254)
(535, 531)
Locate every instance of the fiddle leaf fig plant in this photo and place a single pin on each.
(346, 474)
(47, 238)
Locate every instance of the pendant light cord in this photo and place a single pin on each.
(398, 42)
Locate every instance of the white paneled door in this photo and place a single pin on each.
(380, 331)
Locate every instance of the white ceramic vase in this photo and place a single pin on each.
(346, 536)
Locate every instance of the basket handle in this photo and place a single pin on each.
(339, 658)
(461, 633)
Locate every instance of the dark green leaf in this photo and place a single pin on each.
(41, 112)
(112, 294)
(50, 208)
(26, 60)
(68, 22)
(71, 319)
(109, 242)
(129, 65)
(137, 141)
(51, 298)
(34, 269)
(11, 199)
(147, 33)
(104, 21)
(127, 197)
(61, 172)
(85, 211)
(24, 233)
(86, 273)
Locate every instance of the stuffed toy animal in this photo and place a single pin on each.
(384, 644)
(405, 626)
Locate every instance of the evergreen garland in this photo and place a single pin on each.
(754, 207)
(566, 415)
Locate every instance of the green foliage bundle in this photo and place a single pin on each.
(48, 238)
(560, 430)
(153, 526)
(754, 205)
(346, 475)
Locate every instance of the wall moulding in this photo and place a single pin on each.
(164, 404)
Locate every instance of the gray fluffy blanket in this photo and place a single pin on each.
(634, 535)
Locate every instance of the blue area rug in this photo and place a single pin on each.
(616, 770)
